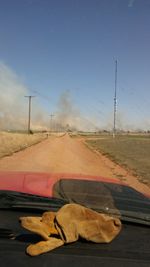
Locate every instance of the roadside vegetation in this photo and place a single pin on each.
(13, 142)
(130, 151)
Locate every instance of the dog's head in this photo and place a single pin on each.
(43, 226)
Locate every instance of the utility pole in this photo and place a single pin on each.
(115, 100)
(29, 114)
(51, 115)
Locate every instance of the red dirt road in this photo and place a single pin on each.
(67, 155)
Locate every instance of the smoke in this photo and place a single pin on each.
(14, 110)
(66, 112)
(124, 122)
(68, 116)
(131, 3)
(13, 104)
(14, 107)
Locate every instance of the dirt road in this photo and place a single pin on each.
(67, 155)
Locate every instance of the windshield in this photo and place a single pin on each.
(74, 98)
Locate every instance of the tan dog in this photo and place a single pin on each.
(68, 224)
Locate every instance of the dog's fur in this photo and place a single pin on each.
(68, 224)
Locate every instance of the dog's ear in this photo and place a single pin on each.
(49, 219)
(44, 246)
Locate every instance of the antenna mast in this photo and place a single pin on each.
(115, 100)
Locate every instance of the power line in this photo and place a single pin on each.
(41, 95)
(29, 114)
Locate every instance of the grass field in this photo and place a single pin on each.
(132, 152)
(13, 142)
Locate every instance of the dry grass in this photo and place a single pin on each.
(13, 142)
(132, 152)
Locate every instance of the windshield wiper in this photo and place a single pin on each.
(129, 216)
(15, 200)
(7, 233)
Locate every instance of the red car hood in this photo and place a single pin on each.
(41, 183)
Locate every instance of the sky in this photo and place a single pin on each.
(63, 52)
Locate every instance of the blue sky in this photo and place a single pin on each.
(58, 46)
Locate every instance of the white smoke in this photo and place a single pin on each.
(131, 3)
(68, 116)
(13, 104)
